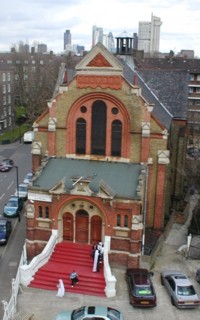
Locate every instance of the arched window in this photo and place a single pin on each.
(126, 221)
(116, 138)
(118, 220)
(99, 120)
(80, 136)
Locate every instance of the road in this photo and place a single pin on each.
(11, 253)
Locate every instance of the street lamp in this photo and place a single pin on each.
(17, 178)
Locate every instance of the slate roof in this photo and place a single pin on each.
(168, 63)
(160, 111)
(108, 174)
(168, 79)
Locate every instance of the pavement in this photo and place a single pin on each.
(45, 305)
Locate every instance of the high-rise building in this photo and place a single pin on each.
(97, 35)
(67, 38)
(149, 35)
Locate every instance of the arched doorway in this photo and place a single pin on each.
(96, 229)
(82, 223)
(68, 226)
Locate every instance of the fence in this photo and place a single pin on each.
(10, 307)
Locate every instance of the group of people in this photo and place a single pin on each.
(61, 288)
(97, 254)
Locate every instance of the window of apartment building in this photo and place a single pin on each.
(197, 90)
(33, 69)
(18, 62)
(8, 76)
(191, 77)
(25, 69)
(4, 88)
(9, 110)
(26, 61)
(33, 61)
(8, 86)
(9, 99)
(4, 100)
(41, 62)
(4, 112)
(5, 123)
(9, 61)
(25, 77)
(3, 76)
(9, 121)
(16, 76)
(190, 89)
(198, 77)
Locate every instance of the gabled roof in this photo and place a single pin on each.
(102, 174)
(99, 61)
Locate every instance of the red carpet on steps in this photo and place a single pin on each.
(66, 257)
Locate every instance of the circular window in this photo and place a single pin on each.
(115, 111)
(83, 109)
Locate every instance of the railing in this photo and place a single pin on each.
(110, 289)
(27, 271)
(10, 307)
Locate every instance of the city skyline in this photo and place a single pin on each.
(45, 22)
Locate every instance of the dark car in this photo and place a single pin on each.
(180, 289)
(13, 207)
(198, 275)
(6, 165)
(141, 289)
(5, 230)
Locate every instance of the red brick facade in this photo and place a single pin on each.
(99, 81)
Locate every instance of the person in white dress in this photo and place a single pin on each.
(96, 260)
(61, 289)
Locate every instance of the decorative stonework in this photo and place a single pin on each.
(94, 81)
(137, 222)
(30, 211)
(163, 156)
(52, 124)
(99, 61)
(145, 129)
(36, 148)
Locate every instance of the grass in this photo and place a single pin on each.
(14, 134)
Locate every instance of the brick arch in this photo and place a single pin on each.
(87, 101)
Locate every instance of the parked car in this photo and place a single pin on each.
(28, 137)
(198, 275)
(5, 230)
(90, 312)
(28, 177)
(13, 207)
(180, 289)
(22, 191)
(141, 289)
(6, 165)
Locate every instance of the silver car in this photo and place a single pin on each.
(90, 312)
(180, 289)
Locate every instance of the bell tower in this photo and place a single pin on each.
(124, 44)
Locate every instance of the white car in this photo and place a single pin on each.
(28, 137)
(28, 177)
(22, 191)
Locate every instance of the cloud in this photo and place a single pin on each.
(45, 21)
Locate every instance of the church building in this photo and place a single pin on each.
(100, 159)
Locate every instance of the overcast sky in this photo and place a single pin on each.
(45, 21)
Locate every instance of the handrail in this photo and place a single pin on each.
(27, 271)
